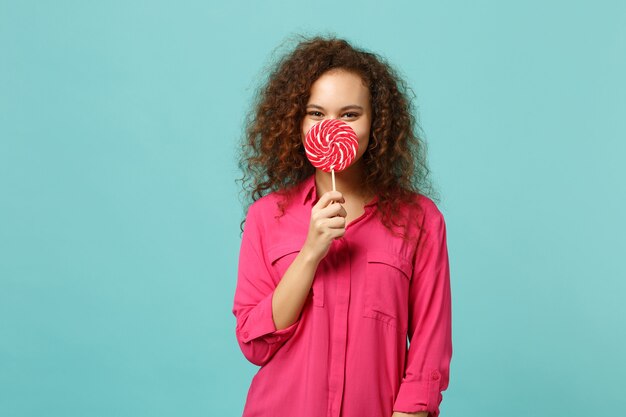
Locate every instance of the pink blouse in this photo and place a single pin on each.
(347, 354)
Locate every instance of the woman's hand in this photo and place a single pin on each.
(328, 222)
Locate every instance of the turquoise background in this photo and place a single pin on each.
(119, 233)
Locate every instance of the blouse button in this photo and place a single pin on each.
(434, 375)
(245, 334)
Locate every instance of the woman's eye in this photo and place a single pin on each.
(314, 113)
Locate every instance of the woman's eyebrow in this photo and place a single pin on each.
(351, 106)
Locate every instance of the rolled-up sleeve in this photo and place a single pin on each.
(255, 330)
(430, 322)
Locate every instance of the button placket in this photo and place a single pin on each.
(341, 269)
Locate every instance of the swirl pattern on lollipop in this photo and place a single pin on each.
(331, 145)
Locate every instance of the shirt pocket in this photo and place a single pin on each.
(386, 288)
(281, 257)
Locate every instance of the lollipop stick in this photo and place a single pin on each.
(332, 173)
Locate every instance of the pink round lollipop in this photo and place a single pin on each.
(331, 145)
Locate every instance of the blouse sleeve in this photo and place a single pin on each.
(255, 330)
(430, 323)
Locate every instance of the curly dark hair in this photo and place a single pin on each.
(272, 156)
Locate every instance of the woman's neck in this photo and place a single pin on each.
(348, 182)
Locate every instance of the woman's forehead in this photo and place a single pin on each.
(339, 88)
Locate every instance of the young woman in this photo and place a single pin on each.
(332, 284)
